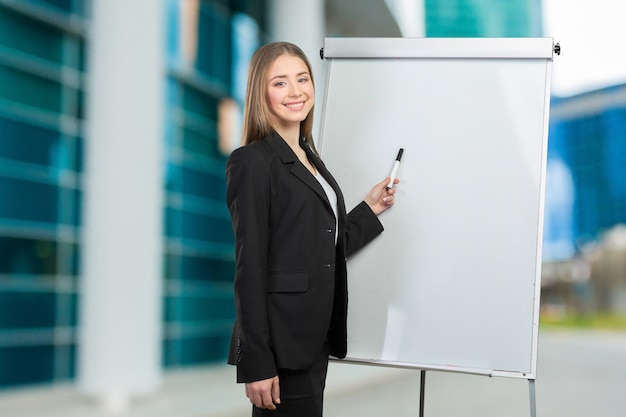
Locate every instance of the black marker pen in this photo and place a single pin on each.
(394, 170)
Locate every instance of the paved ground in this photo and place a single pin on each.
(579, 374)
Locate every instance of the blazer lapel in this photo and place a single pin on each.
(321, 168)
(287, 156)
(341, 204)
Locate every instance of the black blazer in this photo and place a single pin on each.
(290, 279)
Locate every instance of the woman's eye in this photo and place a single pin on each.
(279, 84)
(303, 79)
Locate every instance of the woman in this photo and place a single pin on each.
(292, 237)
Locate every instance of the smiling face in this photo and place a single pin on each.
(290, 92)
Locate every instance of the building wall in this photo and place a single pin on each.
(42, 51)
(588, 141)
(209, 44)
(482, 18)
(43, 47)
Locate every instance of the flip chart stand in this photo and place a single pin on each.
(531, 389)
(475, 115)
(422, 391)
(533, 401)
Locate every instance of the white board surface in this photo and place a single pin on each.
(453, 282)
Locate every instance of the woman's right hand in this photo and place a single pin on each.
(380, 198)
(264, 393)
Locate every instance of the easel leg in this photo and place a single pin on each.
(422, 390)
(533, 398)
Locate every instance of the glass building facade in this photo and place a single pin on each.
(586, 188)
(203, 58)
(42, 70)
(43, 50)
(482, 18)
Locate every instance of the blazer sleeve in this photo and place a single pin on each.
(362, 227)
(248, 198)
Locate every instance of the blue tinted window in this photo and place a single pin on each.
(214, 43)
(203, 143)
(68, 303)
(197, 226)
(26, 309)
(30, 36)
(197, 183)
(25, 200)
(26, 365)
(471, 18)
(615, 160)
(203, 184)
(77, 218)
(82, 60)
(198, 102)
(29, 143)
(254, 9)
(27, 256)
(65, 5)
(190, 350)
(78, 7)
(77, 162)
(73, 103)
(69, 258)
(197, 268)
(194, 309)
(73, 259)
(30, 90)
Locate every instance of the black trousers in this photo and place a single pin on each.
(301, 391)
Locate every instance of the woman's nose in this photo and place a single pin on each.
(294, 90)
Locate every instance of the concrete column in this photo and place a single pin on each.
(119, 352)
(302, 23)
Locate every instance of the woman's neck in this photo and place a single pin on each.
(291, 134)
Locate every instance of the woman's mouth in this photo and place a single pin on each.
(295, 106)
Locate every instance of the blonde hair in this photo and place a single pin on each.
(256, 114)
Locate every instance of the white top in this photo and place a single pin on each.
(332, 198)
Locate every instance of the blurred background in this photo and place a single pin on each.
(116, 120)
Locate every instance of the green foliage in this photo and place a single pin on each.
(589, 321)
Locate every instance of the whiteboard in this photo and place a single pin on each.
(453, 283)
